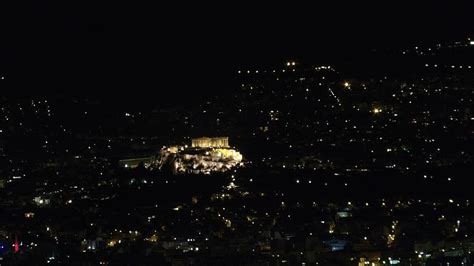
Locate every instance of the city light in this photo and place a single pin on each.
(377, 110)
(354, 156)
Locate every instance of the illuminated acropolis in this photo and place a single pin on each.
(205, 156)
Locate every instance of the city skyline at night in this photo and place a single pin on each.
(244, 135)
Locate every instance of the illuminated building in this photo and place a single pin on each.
(206, 155)
(39, 201)
(29, 215)
(215, 142)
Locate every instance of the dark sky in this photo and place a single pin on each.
(97, 48)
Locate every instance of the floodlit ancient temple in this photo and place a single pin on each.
(217, 142)
(206, 155)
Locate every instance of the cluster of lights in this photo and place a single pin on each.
(292, 63)
(323, 68)
(451, 66)
(377, 110)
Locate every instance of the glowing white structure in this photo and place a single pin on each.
(217, 142)
(207, 155)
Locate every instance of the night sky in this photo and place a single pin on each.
(136, 50)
